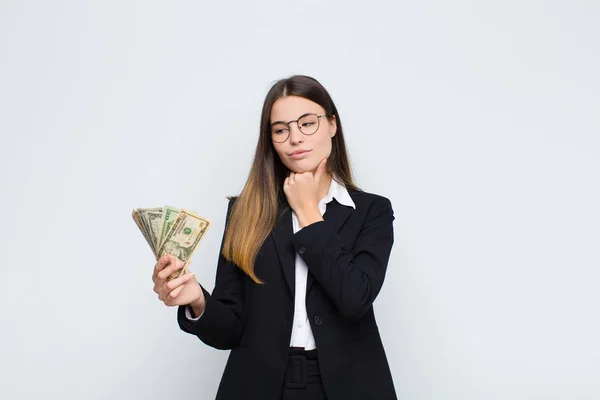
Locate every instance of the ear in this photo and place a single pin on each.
(333, 125)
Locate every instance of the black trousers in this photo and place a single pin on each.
(302, 376)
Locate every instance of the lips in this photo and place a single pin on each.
(299, 154)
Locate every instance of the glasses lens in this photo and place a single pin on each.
(309, 124)
(279, 132)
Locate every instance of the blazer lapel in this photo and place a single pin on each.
(335, 216)
(282, 236)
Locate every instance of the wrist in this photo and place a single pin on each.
(308, 217)
(197, 307)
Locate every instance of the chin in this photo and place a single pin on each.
(299, 169)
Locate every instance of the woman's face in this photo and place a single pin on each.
(315, 147)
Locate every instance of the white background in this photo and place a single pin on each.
(479, 120)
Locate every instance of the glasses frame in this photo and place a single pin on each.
(298, 125)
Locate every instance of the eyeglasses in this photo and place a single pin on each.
(308, 124)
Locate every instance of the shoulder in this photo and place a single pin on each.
(231, 202)
(366, 200)
(373, 211)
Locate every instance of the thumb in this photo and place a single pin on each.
(320, 170)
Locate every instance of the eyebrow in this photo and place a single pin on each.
(275, 122)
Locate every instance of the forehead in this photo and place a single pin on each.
(291, 107)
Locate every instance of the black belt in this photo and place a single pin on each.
(302, 368)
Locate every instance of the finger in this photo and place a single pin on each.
(179, 281)
(161, 263)
(175, 292)
(171, 297)
(320, 170)
(175, 271)
(176, 265)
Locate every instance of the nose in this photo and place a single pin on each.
(296, 136)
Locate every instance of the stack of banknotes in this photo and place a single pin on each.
(171, 230)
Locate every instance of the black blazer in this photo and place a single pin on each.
(347, 256)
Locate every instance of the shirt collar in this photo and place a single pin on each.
(340, 193)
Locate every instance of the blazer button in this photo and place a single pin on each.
(301, 250)
(318, 320)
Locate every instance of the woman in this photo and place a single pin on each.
(303, 257)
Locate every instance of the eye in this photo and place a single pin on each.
(307, 124)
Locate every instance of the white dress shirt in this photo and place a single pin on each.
(302, 335)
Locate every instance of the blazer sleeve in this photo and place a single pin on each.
(221, 325)
(352, 278)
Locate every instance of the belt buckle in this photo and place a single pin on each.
(298, 364)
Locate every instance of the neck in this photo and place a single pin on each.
(324, 185)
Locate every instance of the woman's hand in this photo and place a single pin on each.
(180, 291)
(302, 192)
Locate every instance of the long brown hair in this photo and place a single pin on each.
(254, 213)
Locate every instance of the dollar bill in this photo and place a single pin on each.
(154, 218)
(169, 216)
(171, 230)
(141, 224)
(183, 237)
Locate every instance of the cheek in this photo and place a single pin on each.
(280, 153)
(325, 143)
